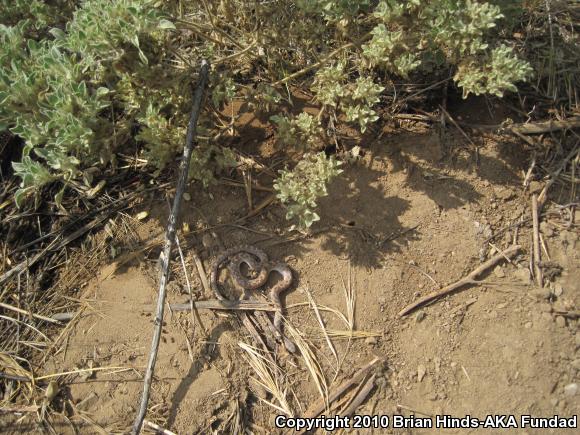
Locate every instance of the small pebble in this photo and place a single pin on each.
(560, 321)
(528, 325)
(545, 308)
(498, 271)
(371, 340)
(421, 370)
(420, 316)
(437, 362)
(558, 290)
(505, 194)
(546, 229)
(207, 240)
(571, 390)
(522, 274)
(535, 186)
(186, 196)
(540, 294)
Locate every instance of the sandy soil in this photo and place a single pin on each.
(411, 216)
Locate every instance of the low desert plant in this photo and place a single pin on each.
(81, 80)
(300, 188)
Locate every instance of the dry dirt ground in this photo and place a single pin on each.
(411, 216)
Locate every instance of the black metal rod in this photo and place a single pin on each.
(169, 241)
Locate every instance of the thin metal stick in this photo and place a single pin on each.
(536, 240)
(169, 241)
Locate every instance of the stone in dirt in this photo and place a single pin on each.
(421, 370)
(560, 321)
(207, 240)
(535, 187)
(540, 294)
(498, 271)
(571, 390)
(522, 274)
(546, 229)
(504, 194)
(371, 340)
(558, 290)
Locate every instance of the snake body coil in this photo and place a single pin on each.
(257, 260)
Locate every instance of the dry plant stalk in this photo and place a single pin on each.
(360, 396)
(158, 428)
(338, 314)
(268, 374)
(309, 357)
(348, 335)
(11, 369)
(469, 279)
(322, 326)
(536, 242)
(320, 406)
(350, 296)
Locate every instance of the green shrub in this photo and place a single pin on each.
(57, 93)
(79, 84)
(354, 99)
(302, 132)
(300, 188)
(494, 75)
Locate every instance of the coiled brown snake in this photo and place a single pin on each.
(256, 260)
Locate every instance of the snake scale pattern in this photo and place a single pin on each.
(258, 261)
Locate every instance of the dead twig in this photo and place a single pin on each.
(320, 406)
(456, 125)
(194, 313)
(324, 60)
(547, 126)
(569, 314)
(555, 174)
(469, 279)
(215, 304)
(24, 312)
(169, 241)
(158, 428)
(212, 304)
(19, 409)
(56, 244)
(530, 127)
(536, 243)
(360, 397)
